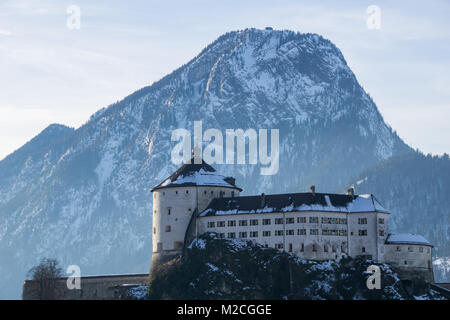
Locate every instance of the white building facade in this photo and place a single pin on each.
(319, 226)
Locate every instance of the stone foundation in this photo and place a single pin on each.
(111, 287)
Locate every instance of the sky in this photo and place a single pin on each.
(53, 72)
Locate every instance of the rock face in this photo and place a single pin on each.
(82, 196)
(216, 268)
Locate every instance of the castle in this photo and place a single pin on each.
(196, 199)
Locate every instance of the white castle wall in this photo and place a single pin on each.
(408, 255)
(310, 245)
(169, 229)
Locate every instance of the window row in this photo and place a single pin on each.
(220, 193)
(289, 232)
(265, 222)
(411, 249)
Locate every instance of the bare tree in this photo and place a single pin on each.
(46, 275)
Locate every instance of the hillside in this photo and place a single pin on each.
(415, 188)
(83, 196)
(215, 268)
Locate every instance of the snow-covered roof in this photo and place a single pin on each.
(293, 202)
(192, 174)
(407, 238)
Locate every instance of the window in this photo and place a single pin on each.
(290, 232)
(266, 222)
(325, 248)
(187, 191)
(221, 194)
(290, 247)
(169, 210)
(342, 248)
(242, 234)
(314, 232)
(301, 232)
(279, 246)
(333, 248)
(398, 249)
(204, 192)
(164, 193)
(420, 249)
(231, 223)
(301, 220)
(242, 223)
(363, 249)
(279, 232)
(342, 221)
(428, 250)
(254, 234)
(380, 220)
(313, 220)
(290, 220)
(279, 221)
(168, 228)
(314, 248)
(328, 220)
(221, 235)
(406, 262)
(254, 222)
(302, 247)
(220, 224)
(176, 192)
(410, 249)
(362, 232)
(266, 233)
(362, 220)
(343, 232)
(211, 224)
(212, 192)
(232, 194)
(231, 235)
(154, 230)
(381, 233)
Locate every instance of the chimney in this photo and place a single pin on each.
(351, 191)
(263, 200)
(313, 190)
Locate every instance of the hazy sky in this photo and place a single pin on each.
(52, 74)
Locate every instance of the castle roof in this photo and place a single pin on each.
(407, 238)
(293, 202)
(193, 174)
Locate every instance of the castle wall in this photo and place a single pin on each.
(409, 256)
(110, 287)
(302, 233)
(172, 212)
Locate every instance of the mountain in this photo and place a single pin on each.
(416, 188)
(213, 269)
(83, 196)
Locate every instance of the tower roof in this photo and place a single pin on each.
(192, 174)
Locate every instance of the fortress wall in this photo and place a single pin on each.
(110, 287)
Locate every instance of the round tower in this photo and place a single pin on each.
(176, 202)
